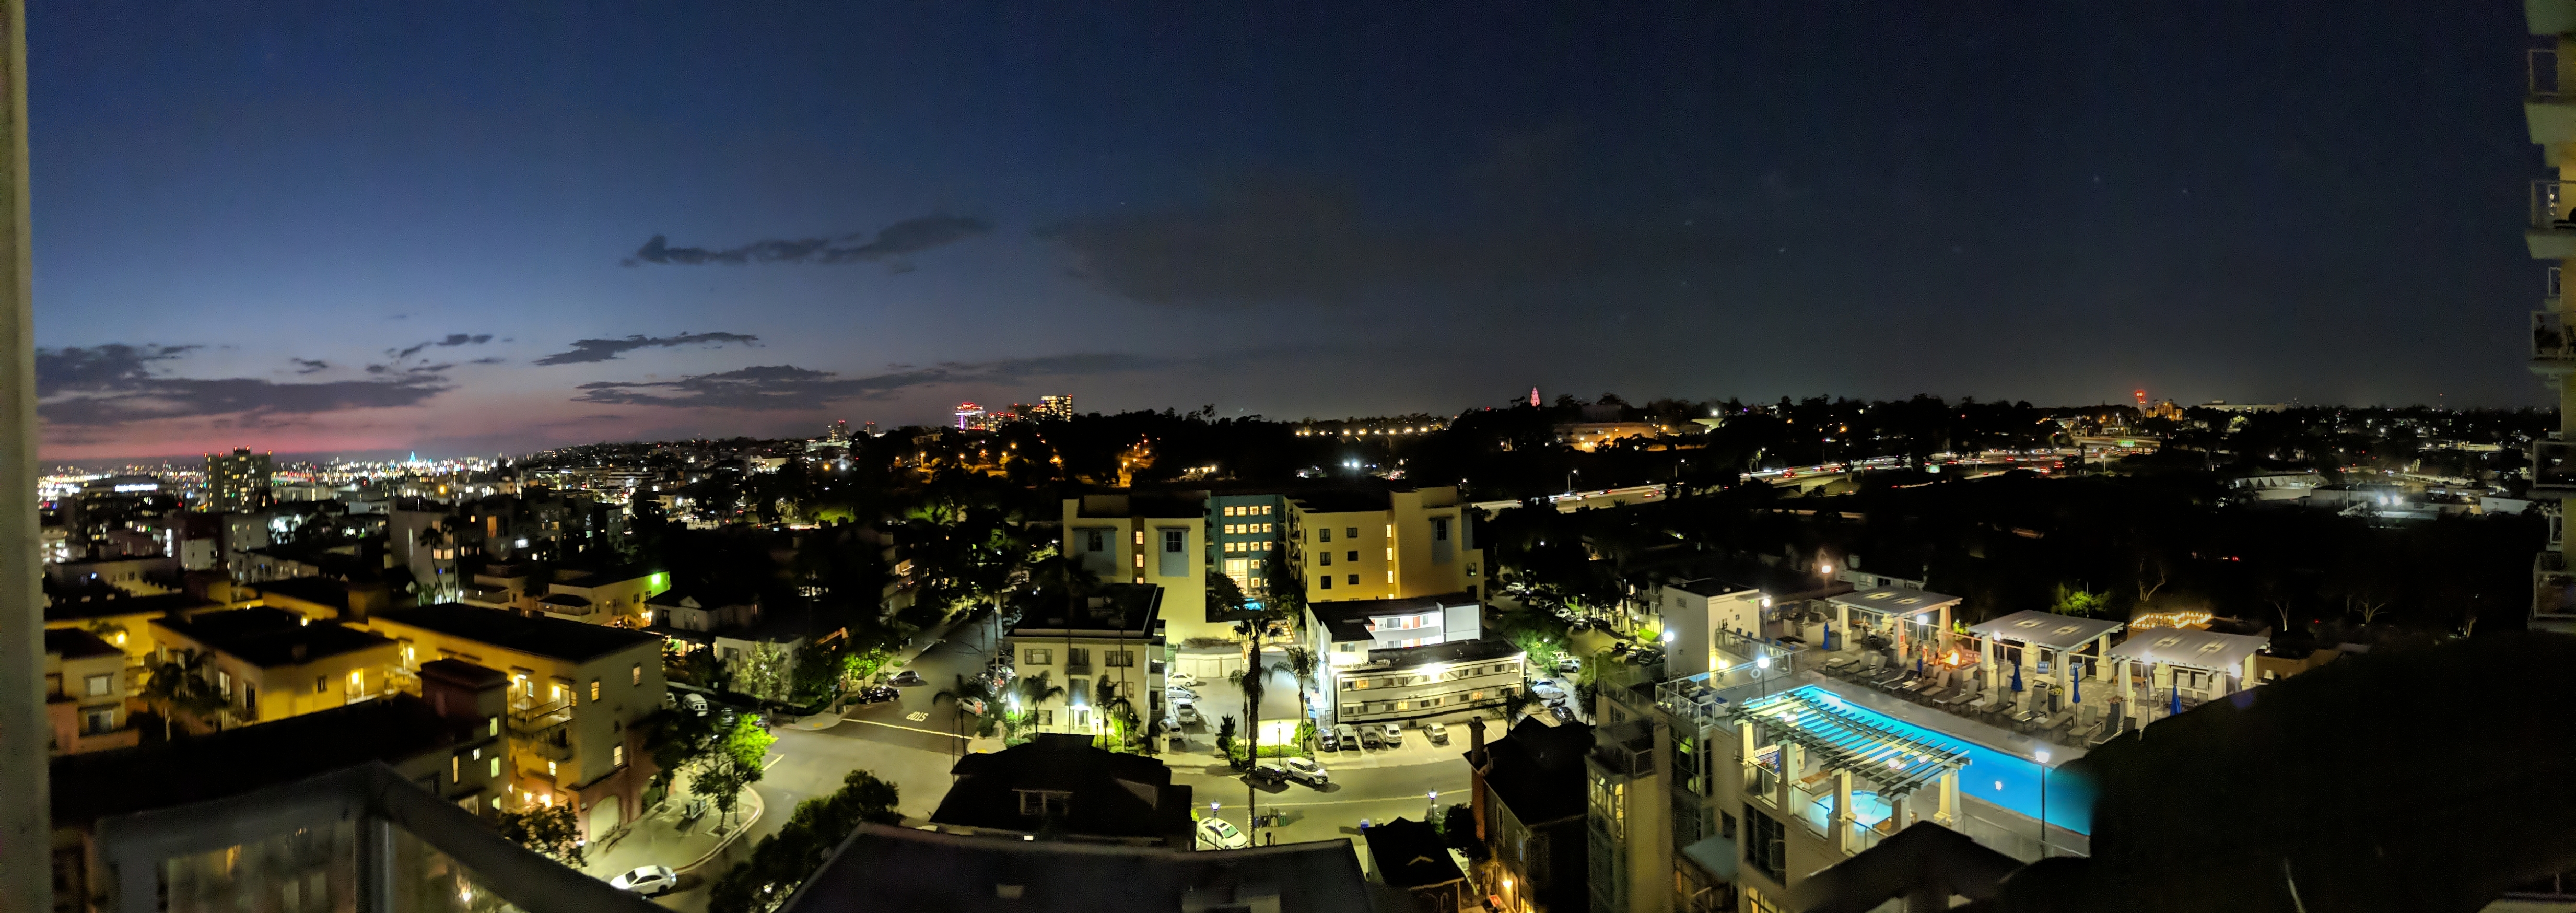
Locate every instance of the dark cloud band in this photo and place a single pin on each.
(585, 351)
(905, 237)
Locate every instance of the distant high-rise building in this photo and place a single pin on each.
(868, 428)
(970, 417)
(1533, 397)
(1054, 407)
(238, 481)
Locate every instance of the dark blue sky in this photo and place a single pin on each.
(252, 217)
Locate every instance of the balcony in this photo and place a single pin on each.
(358, 839)
(2553, 592)
(1626, 750)
(2553, 349)
(2551, 230)
(2553, 469)
(2548, 108)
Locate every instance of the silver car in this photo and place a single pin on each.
(647, 881)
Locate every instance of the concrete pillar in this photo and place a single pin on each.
(1949, 815)
(1744, 752)
(1842, 623)
(1793, 763)
(1945, 627)
(1989, 665)
(26, 833)
(1899, 812)
(2065, 673)
(1841, 821)
(2247, 680)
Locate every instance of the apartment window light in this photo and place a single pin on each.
(455, 769)
(638, 674)
(594, 689)
(550, 768)
(617, 756)
(496, 770)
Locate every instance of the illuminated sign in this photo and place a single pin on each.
(140, 486)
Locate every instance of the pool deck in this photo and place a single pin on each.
(2004, 829)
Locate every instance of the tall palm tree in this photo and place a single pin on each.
(973, 695)
(1036, 689)
(180, 685)
(1301, 664)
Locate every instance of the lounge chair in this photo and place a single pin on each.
(1968, 691)
(1838, 662)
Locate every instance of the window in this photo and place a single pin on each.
(1323, 534)
(1095, 542)
(1764, 848)
(1172, 540)
(636, 677)
(550, 768)
(1324, 558)
(98, 720)
(1046, 717)
(1390, 576)
(101, 685)
(321, 683)
(1352, 556)
(1077, 656)
(1045, 802)
(1352, 533)
(493, 727)
(1119, 658)
(1037, 657)
(594, 689)
(1439, 529)
(455, 769)
(1140, 537)
(1327, 581)
(1355, 579)
(617, 756)
(357, 682)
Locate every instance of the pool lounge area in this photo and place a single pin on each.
(1992, 775)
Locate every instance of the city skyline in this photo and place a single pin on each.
(477, 241)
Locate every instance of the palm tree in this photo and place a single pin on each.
(1301, 664)
(1030, 691)
(179, 685)
(970, 695)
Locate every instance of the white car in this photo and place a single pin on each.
(1547, 690)
(1182, 679)
(1220, 834)
(1187, 713)
(1394, 736)
(1305, 771)
(1180, 692)
(647, 881)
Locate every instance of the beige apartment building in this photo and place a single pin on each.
(271, 664)
(85, 688)
(1397, 544)
(575, 693)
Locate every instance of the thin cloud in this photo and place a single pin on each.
(906, 237)
(309, 366)
(118, 383)
(778, 387)
(452, 340)
(585, 351)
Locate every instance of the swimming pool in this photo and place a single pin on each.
(1997, 776)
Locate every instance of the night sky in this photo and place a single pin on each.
(469, 229)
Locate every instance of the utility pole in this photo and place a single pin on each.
(26, 833)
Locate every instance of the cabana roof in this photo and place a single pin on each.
(1892, 600)
(2045, 629)
(2189, 647)
(1898, 761)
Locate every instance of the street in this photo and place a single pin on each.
(912, 744)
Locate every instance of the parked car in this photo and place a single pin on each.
(1306, 771)
(1220, 834)
(1182, 679)
(1328, 739)
(1187, 713)
(1562, 713)
(697, 703)
(878, 694)
(1394, 735)
(1180, 692)
(1437, 733)
(907, 678)
(1372, 737)
(1267, 773)
(1349, 736)
(647, 881)
(1569, 665)
(1547, 690)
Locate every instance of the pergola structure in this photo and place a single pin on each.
(2198, 664)
(1844, 744)
(2041, 635)
(1910, 615)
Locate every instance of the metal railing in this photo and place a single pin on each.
(2550, 340)
(2553, 585)
(2553, 469)
(2540, 76)
(2553, 205)
(359, 839)
(1626, 749)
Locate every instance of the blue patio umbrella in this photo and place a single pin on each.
(2016, 678)
(2078, 696)
(1918, 665)
(2177, 703)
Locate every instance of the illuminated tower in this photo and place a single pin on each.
(2549, 104)
(239, 482)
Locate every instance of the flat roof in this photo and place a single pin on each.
(160, 604)
(1397, 659)
(2190, 647)
(557, 638)
(74, 643)
(1892, 600)
(267, 637)
(392, 729)
(1126, 607)
(2045, 629)
(892, 868)
(1713, 587)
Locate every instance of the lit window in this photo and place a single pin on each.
(594, 688)
(638, 674)
(550, 768)
(455, 769)
(617, 756)
(496, 766)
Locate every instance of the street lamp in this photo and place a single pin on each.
(2042, 755)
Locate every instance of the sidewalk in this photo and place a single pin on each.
(903, 658)
(661, 838)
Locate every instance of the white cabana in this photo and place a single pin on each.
(2042, 637)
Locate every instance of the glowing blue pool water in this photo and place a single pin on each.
(1867, 808)
(2000, 777)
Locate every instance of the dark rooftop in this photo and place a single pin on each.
(1113, 795)
(893, 868)
(460, 672)
(87, 787)
(1451, 653)
(267, 637)
(1410, 854)
(1537, 770)
(1348, 620)
(316, 590)
(165, 603)
(572, 641)
(1117, 607)
(1713, 586)
(74, 643)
